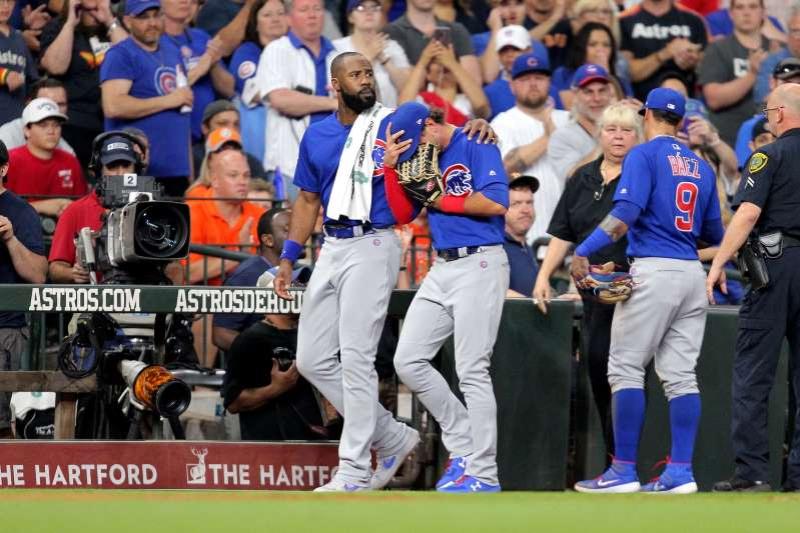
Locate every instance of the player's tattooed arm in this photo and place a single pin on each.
(614, 227)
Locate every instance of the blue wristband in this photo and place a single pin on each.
(291, 250)
(597, 240)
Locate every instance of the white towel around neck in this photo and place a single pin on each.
(351, 196)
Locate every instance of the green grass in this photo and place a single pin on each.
(88, 511)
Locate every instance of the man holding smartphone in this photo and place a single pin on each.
(419, 25)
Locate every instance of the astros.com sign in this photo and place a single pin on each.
(181, 300)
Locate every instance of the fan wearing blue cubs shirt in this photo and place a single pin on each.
(139, 85)
(666, 202)
(201, 56)
(468, 228)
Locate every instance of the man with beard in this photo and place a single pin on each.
(578, 138)
(340, 167)
(347, 297)
(525, 131)
(140, 88)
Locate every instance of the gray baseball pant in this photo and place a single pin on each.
(664, 318)
(463, 298)
(344, 310)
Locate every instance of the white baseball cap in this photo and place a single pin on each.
(513, 35)
(39, 109)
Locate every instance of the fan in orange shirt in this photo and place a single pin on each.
(228, 220)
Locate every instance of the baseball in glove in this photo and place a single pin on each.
(420, 177)
(605, 285)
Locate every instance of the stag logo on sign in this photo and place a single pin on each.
(196, 473)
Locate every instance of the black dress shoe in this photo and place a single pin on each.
(736, 484)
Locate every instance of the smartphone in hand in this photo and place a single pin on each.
(443, 34)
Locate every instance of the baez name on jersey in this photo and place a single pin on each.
(684, 166)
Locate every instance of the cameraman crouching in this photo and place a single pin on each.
(262, 384)
(116, 156)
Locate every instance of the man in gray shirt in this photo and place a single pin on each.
(730, 68)
(419, 25)
(574, 141)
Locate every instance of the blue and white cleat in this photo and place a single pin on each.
(388, 466)
(620, 478)
(674, 480)
(338, 485)
(469, 484)
(456, 467)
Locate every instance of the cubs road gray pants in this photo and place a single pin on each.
(665, 319)
(344, 309)
(463, 298)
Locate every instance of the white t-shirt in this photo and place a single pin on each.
(284, 66)
(516, 128)
(387, 92)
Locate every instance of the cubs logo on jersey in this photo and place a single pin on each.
(457, 180)
(378, 153)
(246, 69)
(165, 80)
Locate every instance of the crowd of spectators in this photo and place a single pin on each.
(221, 92)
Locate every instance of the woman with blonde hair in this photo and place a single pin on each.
(587, 199)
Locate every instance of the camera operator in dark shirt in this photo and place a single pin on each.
(261, 381)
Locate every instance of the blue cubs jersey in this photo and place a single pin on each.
(192, 44)
(468, 167)
(244, 63)
(152, 74)
(676, 191)
(318, 160)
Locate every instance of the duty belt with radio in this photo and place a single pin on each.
(755, 252)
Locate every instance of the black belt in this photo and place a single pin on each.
(451, 254)
(348, 232)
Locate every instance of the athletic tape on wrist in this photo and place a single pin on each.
(291, 250)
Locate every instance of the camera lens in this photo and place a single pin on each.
(161, 230)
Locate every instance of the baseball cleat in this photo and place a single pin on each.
(674, 480)
(468, 484)
(737, 484)
(620, 478)
(337, 485)
(456, 466)
(387, 466)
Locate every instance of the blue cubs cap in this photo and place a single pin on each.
(353, 4)
(695, 107)
(409, 117)
(666, 100)
(134, 8)
(586, 74)
(534, 61)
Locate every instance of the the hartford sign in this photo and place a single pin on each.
(166, 465)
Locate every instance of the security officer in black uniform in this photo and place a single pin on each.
(766, 227)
